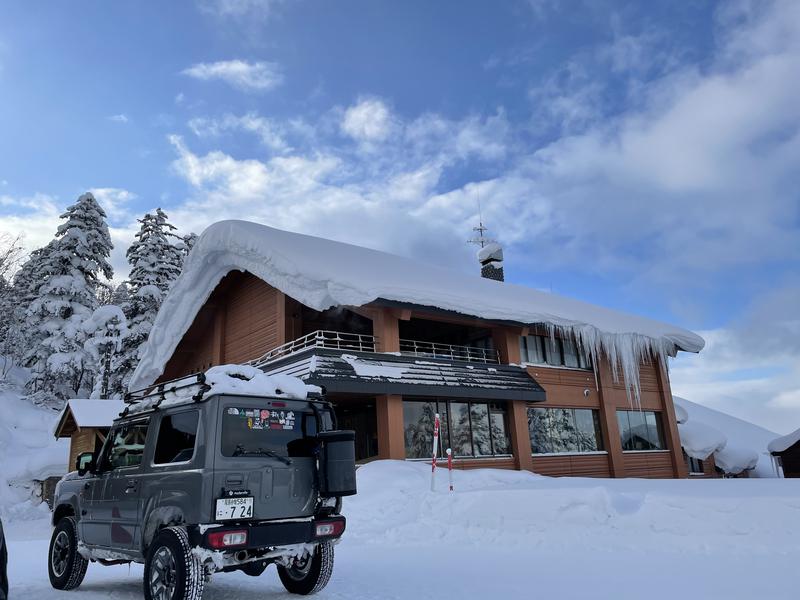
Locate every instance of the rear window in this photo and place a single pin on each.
(254, 432)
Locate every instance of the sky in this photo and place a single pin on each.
(641, 156)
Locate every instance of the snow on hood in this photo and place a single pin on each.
(784, 442)
(700, 440)
(322, 274)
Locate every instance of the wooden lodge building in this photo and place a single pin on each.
(394, 341)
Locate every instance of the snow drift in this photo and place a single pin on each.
(322, 274)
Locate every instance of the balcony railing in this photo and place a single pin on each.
(335, 340)
(449, 351)
(358, 342)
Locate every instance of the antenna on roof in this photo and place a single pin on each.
(490, 254)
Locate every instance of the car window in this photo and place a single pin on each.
(127, 445)
(177, 435)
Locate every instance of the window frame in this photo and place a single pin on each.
(447, 426)
(153, 462)
(544, 342)
(549, 411)
(105, 458)
(659, 425)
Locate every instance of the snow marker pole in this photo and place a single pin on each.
(435, 449)
(450, 467)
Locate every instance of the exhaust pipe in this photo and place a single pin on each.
(241, 556)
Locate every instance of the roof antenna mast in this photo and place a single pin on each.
(490, 254)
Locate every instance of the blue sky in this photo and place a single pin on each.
(644, 156)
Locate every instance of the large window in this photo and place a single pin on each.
(640, 430)
(557, 352)
(176, 437)
(469, 428)
(564, 430)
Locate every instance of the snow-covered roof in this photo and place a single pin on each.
(322, 274)
(90, 412)
(784, 442)
(700, 440)
(746, 447)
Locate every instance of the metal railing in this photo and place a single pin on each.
(449, 351)
(336, 340)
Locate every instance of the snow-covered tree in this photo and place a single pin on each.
(105, 330)
(67, 297)
(121, 295)
(187, 244)
(156, 258)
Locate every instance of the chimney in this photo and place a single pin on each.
(491, 258)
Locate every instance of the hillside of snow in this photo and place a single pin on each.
(514, 535)
(742, 436)
(28, 450)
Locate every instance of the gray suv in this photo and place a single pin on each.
(193, 481)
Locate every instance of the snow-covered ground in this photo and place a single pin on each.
(515, 535)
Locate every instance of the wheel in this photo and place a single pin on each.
(171, 570)
(308, 575)
(65, 566)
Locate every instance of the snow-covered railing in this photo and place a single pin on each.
(449, 351)
(336, 340)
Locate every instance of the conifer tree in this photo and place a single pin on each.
(78, 257)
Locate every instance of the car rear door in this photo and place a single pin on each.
(282, 486)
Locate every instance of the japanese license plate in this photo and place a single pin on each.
(234, 508)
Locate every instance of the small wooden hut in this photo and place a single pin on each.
(86, 422)
(786, 452)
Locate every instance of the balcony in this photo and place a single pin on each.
(358, 342)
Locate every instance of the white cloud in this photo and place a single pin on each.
(240, 9)
(36, 217)
(120, 118)
(370, 120)
(270, 133)
(115, 203)
(258, 76)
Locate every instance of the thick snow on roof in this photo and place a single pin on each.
(322, 273)
(745, 440)
(681, 416)
(700, 440)
(92, 412)
(784, 442)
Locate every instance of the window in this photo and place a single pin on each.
(695, 465)
(640, 430)
(176, 437)
(564, 430)
(254, 432)
(127, 446)
(468, 428)
(544, 350)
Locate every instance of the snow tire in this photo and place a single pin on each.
(171, 554)
(312, 578)
(65, 566)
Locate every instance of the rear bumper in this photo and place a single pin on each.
(270, 534)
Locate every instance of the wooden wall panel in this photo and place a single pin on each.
(649, 464)
(573, 465)
(251, 320)
(565, 387)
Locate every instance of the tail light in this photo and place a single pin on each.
(329, 528)
(227, 539)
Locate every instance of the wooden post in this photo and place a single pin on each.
(608, 420)
(670, 421)
(391, 443)
(520, 435)
(386, 328)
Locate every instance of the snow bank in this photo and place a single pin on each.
(240, 380)
(784, 442)
(743, 438)
(700, 440)
(322, 273)
(28, 452)
(519, 510)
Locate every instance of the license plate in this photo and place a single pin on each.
(234, 508)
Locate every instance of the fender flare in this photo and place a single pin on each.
(158, 518)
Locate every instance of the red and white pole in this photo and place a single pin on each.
(435, 450)
(450, 467)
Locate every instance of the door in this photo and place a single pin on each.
(116, 496)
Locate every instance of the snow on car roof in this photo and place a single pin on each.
(322, 273)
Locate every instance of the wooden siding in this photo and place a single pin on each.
(575, 465)
(657, 464)
(80, 442)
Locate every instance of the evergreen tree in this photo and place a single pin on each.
(121, 295)
(156, 262)
(67, 297)
(105, 330)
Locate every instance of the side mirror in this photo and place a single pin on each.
(85, 463)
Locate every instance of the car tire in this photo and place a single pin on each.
(171, 570)
(310, 575)
(65, 566)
